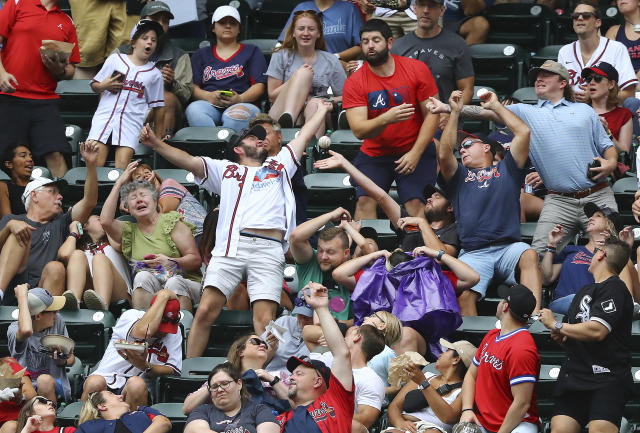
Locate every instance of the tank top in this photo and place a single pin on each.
(15, 198)
(632, 46)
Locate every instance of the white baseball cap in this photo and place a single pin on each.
(225, 11)
(38, 183)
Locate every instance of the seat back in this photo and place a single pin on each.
(76, 178)
(528, 25)
(526, 95)
(328, 191)
(501, 66)
(226, 329)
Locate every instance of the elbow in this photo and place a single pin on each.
(601, 334)
(165, 424)
(24, 334)
(360, 135)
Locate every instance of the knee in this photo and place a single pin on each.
(94, 383)
(303, 72)
(211, 302)
(366, 201)
(528, 260)
(45, 383)
(479, 25)
(238, 112)
(78, 257)
(136, 387)
(100, 260)
(54, 269)
(468, 297)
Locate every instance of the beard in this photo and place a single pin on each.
(292, 393)
(378, 58)
(257, 153)
(433, 214)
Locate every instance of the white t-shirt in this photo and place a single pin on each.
(612, 52)
(427, 414)
(162, 351)
(266, 202)
(369, 386)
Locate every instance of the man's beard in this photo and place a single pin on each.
(292, 393)
(378, 58)
(258, 153)
(433, 215)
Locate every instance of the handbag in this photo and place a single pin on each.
(161, 273)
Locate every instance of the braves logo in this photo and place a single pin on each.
(320, 414)
(134, 86)
(481, 176)
(231, 172)
(384, 99)
(222, 73)
(275, 165)
(572, 77)
(492, 360)
(160, 350)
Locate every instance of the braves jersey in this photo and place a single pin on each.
(612, 52)
(332, 412)
(122, 114)
(504, 361)
(162, 351)
(597, 364)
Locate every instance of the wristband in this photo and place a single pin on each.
(469, 408)
(74, 235)
(440, 254)
(274, 381)
(551, 249)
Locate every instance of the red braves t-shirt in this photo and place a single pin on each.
(504, 361)
(410, 83)
(9, 409)
(24, 24)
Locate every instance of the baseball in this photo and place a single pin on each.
(482, 92)
(324, 142)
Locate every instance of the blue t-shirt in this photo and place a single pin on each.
(136, 421)
(453, 11)
(574, 274)
(239, 72)
(486, 203)
(301, 421)
(341, 23)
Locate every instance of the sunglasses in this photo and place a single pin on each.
(596, 250)
(594, 77)
(379, 318)
(257, 342)
(307, 11)
(45, 401)
(168, 320)
(584, 15)
(221, 385)
(300, 302)
(469, 142)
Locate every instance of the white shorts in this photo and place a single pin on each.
(259, 261)
(523, 427)
(177, 284)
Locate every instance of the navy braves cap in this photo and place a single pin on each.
(319, 366)
(603, 69)
(521, 301)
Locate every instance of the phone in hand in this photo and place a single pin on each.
(593, 164)
(227, 93)
(80, 231)
(120, 78)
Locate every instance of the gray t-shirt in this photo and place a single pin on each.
(30, 353)
(446, 54)
(46, 239)
(247, 420)
(327, 71)
(293, 344)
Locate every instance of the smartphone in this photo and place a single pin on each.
(121, 78)
(150, 257)
(80, 231)
(227, 93)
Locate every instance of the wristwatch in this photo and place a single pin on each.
(148, 369)
(274, 381)
(424, 385)
(558, 325)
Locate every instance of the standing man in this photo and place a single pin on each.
(595, 380)
(444, 52)
(486, 200)
(385, 102)
(501, 382)
(257, 215)
(591, 48)
(29, 111)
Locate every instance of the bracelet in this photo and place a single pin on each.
(274, 381)
(440, 254)
(74, 235)
(551, 249)
(469, 408)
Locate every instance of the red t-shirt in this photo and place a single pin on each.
(9, 409)
(24, 24)
(410, 83)
(504, 361)
(616, 118)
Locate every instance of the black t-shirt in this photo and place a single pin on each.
(15, 198)
(45, 241)
(411, 239)
(596, 364)
(246, 421)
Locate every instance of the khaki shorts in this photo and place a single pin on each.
(177, 284)
(100, 25)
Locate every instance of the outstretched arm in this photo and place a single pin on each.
(81, 210)
(300, 143)
(112, 227)
(177, 157)
(446, 157)
(472, 111)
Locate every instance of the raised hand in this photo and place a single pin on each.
(335, 161)
(555, 235)
(90, 151)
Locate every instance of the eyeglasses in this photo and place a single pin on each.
(594, 77)
(50, 190)
(596, 250)
(469, 142)
(257, 342)
(379, 318)
(168, 320)
(584, 15)
(220, 386)
(300, 302)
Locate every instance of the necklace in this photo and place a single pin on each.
(636, 27)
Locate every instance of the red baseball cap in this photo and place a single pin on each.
(171, 316)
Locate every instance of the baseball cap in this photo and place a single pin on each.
(430, 189)
(38, 183)
(258, 131)
(170, 317)
(590, 208)
(550, 66)
(465, 350)
(369, 233)
(319, 366)
(521, 301)
(40, 300)
(603, 69)
(146, 25)
(301, 306)
(225, 11)
(155, 7)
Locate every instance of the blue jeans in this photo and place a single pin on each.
(561, 305)
(202, 113)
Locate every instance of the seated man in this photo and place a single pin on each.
(37, 317)
(128, 372)
(29, 243)
(486, 199)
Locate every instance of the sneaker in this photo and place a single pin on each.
(71, 302)
(343, 123)
(93, 301)
(285, 120)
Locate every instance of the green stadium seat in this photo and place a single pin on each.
(78, 102)
(68, 417)
(74, 135)
(327, 191)
(76, 178)
(265, 45)
(528, 25)
(201, 366)
(184, 177)
(527, 231)
(226, 329)
(624, 192)
(345, 142)
(269, 21)
(474, 328)
(173, 411)
(550, 351)
(91, 331)
(387, 238)
(550, 52)
(40, 171)
(75, 374)
(501, 66)
(546, 385)
(526, 95)
(174, 389)
(189, 45)
(198, 141)
(186, 319)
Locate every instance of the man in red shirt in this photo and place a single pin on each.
(385, 102)
(501, 382)
(29, 111)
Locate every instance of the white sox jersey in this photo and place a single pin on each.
(122, 114)
(612, 52)
(162, 351)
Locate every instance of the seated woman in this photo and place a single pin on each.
(18, 164)
(433, 401)
(229, 407)
(96, 272)
(106, 412)
(301, 72)
(160, 247)
(248, 355)
(174, 196)
(228, 78)
(39, 415)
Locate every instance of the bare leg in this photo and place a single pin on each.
(164, 118)
(411, 341)
(292, 97)
(530, 274)
(46, 385)
(565, 424)
(56, 164)
(602, 426)
(77, 270)
(141, 299)
(208, 311)
(475, 30)
(365, 208)
(53, 278)
(84, 73)
(123, 156)
(239, 299)
(530, 207)
(263, 312)
(13, 260)
(135, 392)
(94, 383)
(310, 110)
(467, 302)
(103, 153)
(415, 207)
(104, 275)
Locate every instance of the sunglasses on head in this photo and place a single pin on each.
(585, 15)
(379, 318)
(594, 77)
(306, 11)
(596, 250)
(300, 302)
(172, 321)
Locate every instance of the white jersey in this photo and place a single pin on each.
(612, 52)
(122, 114)
(229, 180)
(162, 351)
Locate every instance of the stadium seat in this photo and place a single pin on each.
(501, 66)
(328, 191)
(68, 417)
(76, 178)
(227, 328)
(189, 45)
(269, 21)
(289, 134)
(74, 134)
(387, 238)
(91, 331)
(4, 176)
(550, 52)
(186, 319)
(550, 351)
(546, 385)
(474, 328)
(528, 25)
(7, 315)
(345, 142)
(198, 141)
(40, 171)
(77, 102)
(75, 374)
(527, 231)
(184, 177)
(266, 46)
(526, 95)
(174, 389)
(624, 192)
(173, 411)
(201, 366)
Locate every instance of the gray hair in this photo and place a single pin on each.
(136, 185)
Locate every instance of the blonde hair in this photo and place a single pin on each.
(90, 409)
(393, 331)
(234, 356)
(290, 44)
